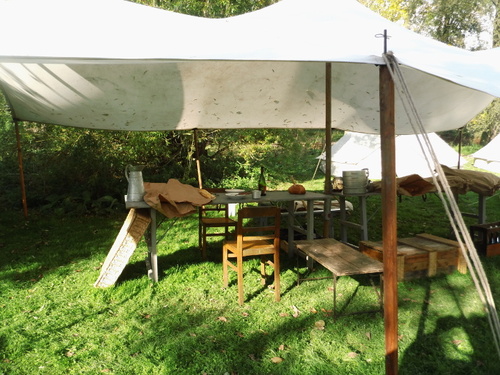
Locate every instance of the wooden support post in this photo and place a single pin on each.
(197, 152)
(328, 141)
(21, 170)
(389, 218)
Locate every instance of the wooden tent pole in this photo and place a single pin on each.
(21, 170)
(328, 127)
(328, 140)
(389, 218)
(460, 134)
(197, 153)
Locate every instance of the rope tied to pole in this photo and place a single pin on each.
(460, 229)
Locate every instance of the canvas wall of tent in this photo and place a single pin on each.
(355, 151)
(488, 157)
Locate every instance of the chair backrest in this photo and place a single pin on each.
(259, 223)
(214, 210)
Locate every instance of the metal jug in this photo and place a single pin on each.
(135, 192)
(355, 182)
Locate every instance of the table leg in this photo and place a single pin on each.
(310, 229)
(334, 295)
(152, 252)
(310, 220)
(291, 218)
(481, 209)
(343, 217)
(364, 218)
(327, 219)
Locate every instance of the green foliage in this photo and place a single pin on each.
(393, 10)
(451, 22)
(448, 21)
(209, 9)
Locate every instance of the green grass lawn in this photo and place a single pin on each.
(53, 321)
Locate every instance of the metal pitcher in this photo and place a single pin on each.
(135, 192)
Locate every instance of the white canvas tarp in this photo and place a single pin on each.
(112, 64)
(488, 157)
(355, 151)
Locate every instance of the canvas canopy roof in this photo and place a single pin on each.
(111, 64)
(355, 151)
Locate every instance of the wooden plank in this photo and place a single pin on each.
(432, 264)
(442, 240)
(132, 230)
(401, 268)
(426, 244)
(339, 258)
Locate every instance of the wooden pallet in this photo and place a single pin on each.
(132, 230)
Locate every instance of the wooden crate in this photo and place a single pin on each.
(422, 256)
(486, 238)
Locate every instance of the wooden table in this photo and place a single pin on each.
(362, 226)
(221, 198)
(341, 260)
(284, 196)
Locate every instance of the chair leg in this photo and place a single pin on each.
(276, 264)
(224, 267)
(204, 243)
(239, 266)
(263, 273)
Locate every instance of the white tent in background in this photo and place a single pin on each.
(488, 157)
(355, 151)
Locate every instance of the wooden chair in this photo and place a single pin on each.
(213, 216)
(257, 234)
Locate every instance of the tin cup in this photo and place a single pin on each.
(256, 194)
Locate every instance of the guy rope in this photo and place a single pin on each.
(452, 210)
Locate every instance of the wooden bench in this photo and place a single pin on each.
(341, 260)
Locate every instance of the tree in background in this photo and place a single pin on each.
(72, 169)
(458, 23)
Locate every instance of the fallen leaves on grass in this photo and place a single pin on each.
(277, 360)
(320, 324)
(352, 354)
(222, 319)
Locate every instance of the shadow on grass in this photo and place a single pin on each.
(42, 245)
(457, 343)
(192, 256)
(229, 345)
(453, 347)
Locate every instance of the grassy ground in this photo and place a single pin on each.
(53, 321)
